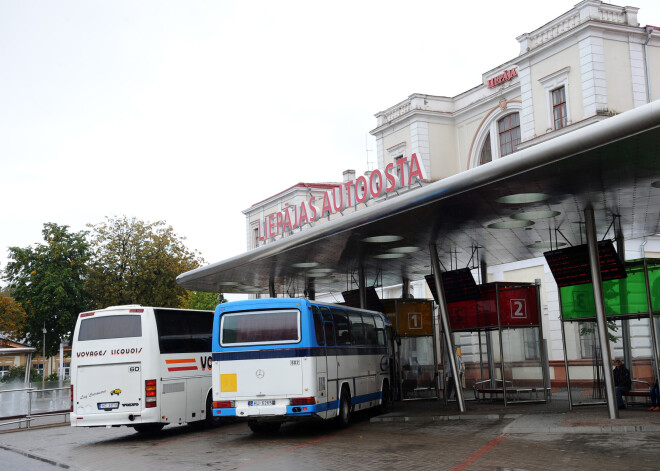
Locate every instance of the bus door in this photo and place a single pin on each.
(331, 357)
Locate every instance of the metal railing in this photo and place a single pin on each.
(29, 403)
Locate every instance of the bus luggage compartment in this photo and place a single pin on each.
(108, 389)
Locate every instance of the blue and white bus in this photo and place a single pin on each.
(283, 359)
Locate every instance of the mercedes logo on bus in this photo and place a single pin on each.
(260, 373)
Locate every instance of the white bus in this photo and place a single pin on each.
(292, 359)
(143, 367)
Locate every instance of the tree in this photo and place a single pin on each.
(17, 373)
(12, 316)
(48, 280)
(203, 301)
(136, 262)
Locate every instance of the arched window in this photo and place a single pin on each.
(499, 134)
(509, 130)
(486, 155)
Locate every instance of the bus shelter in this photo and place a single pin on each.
(575, 177)
(632, 308)
(416, 358)
(512, 363)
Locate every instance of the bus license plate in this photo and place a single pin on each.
(262, 403)
(108, 405)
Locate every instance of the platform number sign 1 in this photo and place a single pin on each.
(415, 320)
(518, 309)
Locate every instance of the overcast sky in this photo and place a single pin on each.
(191, 111)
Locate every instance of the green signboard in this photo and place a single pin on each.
(623, 297)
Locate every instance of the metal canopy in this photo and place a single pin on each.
(612, 166)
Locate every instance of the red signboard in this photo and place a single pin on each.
(517, 305)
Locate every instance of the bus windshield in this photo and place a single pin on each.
(260, 327)
(110, 327)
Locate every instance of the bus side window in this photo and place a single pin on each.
(380, 330)
(318, 325)
(342, 332)
(370, 329)
(357, 328)
(184, 333)
(328, 326)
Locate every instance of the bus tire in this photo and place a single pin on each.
(264, 427)
(210, 420)
(148, 429)
(385, 401)
(344, 416)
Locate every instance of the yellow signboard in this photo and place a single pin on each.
(409, 317)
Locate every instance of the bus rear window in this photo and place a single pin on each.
(110, 327)
(260, 327)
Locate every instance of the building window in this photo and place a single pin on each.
(67, 369)
(557, 92)
(499, 135)
(4, 369)
(255, 237)
(39, 368)
(559, 107)
(509, 129)
(486, 154)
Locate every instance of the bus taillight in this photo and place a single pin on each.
(303, 401)
(222, 404)
(150, 393)
(71, 398)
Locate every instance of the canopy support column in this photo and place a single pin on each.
(444, 319)
(597, 283)
(310, 290)
(489, 340)
(625, 323)
(363, 287)
(405, 288)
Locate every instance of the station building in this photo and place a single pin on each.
(585, 66)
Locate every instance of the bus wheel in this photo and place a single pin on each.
(148, 428)
(385, 402)
(211, 420)
(264, 427)
(344, 417)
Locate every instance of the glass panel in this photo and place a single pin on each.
(318, 325)
(654, 284)
(262, 327)
(417, 367)
(342, 334)
(486, 154)
(622, 296)
(357, 329)
(110, 327)
(184, 331)
(524, 376)
(370, 336)
(329, 329)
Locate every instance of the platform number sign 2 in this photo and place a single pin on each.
(518, 309)
(414, 320)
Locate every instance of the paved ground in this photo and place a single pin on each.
(416, 435)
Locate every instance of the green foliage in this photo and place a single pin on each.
(52, 377)
(48, 281)
(17, 373)
(12, 316)
(137, 262)
(587, 329)
(203, 301)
